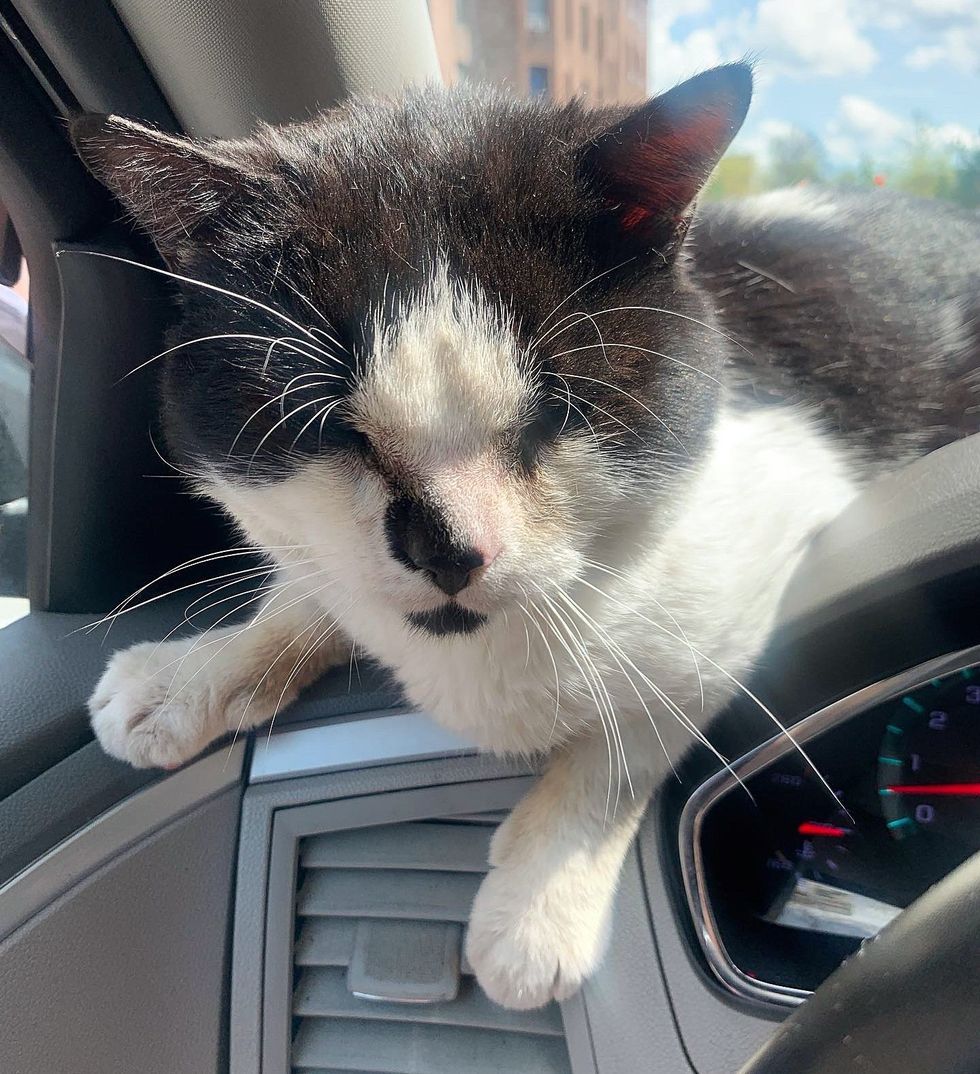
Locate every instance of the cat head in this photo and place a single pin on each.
(446, 345)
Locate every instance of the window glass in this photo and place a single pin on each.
(538, 81)
(15, 386)
(539, 16)
(850, 93)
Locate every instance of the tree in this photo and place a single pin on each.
(926, 168)
(735, 176)
(795, 157)
(863, 175)
(966, 185)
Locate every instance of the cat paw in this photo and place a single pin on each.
(152, 711)
(531, 940)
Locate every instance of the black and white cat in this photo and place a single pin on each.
(509, 418)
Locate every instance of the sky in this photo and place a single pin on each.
(856, 73)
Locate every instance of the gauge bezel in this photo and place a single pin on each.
(771, 752)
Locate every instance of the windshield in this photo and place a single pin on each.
(850, 93)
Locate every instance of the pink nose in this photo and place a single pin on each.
(488, 552)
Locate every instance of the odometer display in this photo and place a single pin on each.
(929, 762)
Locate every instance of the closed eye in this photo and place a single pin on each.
(540, 432)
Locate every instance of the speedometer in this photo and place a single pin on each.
(787, 880)
(929, 761)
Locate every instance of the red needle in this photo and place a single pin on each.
(810, 827)
(952, 790)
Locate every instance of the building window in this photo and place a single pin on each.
(538, 81)
(463, 12)
(600, 37)
(585, 28)
(539, 16)
(570, 19)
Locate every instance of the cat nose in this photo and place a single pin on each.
(452, 571)
(420, 538)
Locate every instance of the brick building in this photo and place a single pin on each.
(559, 48)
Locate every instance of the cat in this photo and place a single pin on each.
(511, 416)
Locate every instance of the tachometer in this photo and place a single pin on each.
(929, 761)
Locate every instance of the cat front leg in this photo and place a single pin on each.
(158, 705)
(540, 921)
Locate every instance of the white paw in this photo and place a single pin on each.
(156, 709)
(535, 938)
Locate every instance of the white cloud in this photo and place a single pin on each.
(863, 128)
(923, 15)
(870, 121)
(815, 37)
(798, 38)
(757, 141)
(924, 57)
(934, 8)
(672, 61)
(958, 47)
(952, 134)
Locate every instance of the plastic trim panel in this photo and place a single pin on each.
(705, 797)
(110, 834)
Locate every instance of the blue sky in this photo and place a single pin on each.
(854, 72)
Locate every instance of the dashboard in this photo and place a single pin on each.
(800, 852)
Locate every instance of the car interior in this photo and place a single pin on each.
(293, 903)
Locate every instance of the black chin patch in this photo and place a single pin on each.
(449, 619)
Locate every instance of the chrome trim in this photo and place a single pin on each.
(366, 740)
(762, 757)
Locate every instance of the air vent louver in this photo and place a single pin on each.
(420, 877)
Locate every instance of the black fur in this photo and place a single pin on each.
(451, 618)
(420, 539)
(869, 318)
(353, 210)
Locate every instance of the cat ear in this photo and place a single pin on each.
(650, 166)
(180, 191)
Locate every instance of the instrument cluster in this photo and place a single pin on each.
(809, 846)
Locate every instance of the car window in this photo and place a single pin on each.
(15, 390)
(850, 93)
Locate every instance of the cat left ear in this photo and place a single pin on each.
(180, 191)
(650, 166)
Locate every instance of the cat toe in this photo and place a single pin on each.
(138, 715)
(526, 948)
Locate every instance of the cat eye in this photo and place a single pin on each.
(539, 434)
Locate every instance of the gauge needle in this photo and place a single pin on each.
(810, 827)
(952, 790)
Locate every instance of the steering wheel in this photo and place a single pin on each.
(908, 1002)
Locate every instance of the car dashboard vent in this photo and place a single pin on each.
(379, 982)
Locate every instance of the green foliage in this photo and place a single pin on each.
(795, 157)
(735, 176)
(966, 187)
(923, 167)
(861, 176)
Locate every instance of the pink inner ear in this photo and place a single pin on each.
(664, 174)
(634, 217)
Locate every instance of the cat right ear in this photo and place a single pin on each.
(180, 191)
(650, 166)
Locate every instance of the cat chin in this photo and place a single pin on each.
(450, 618)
